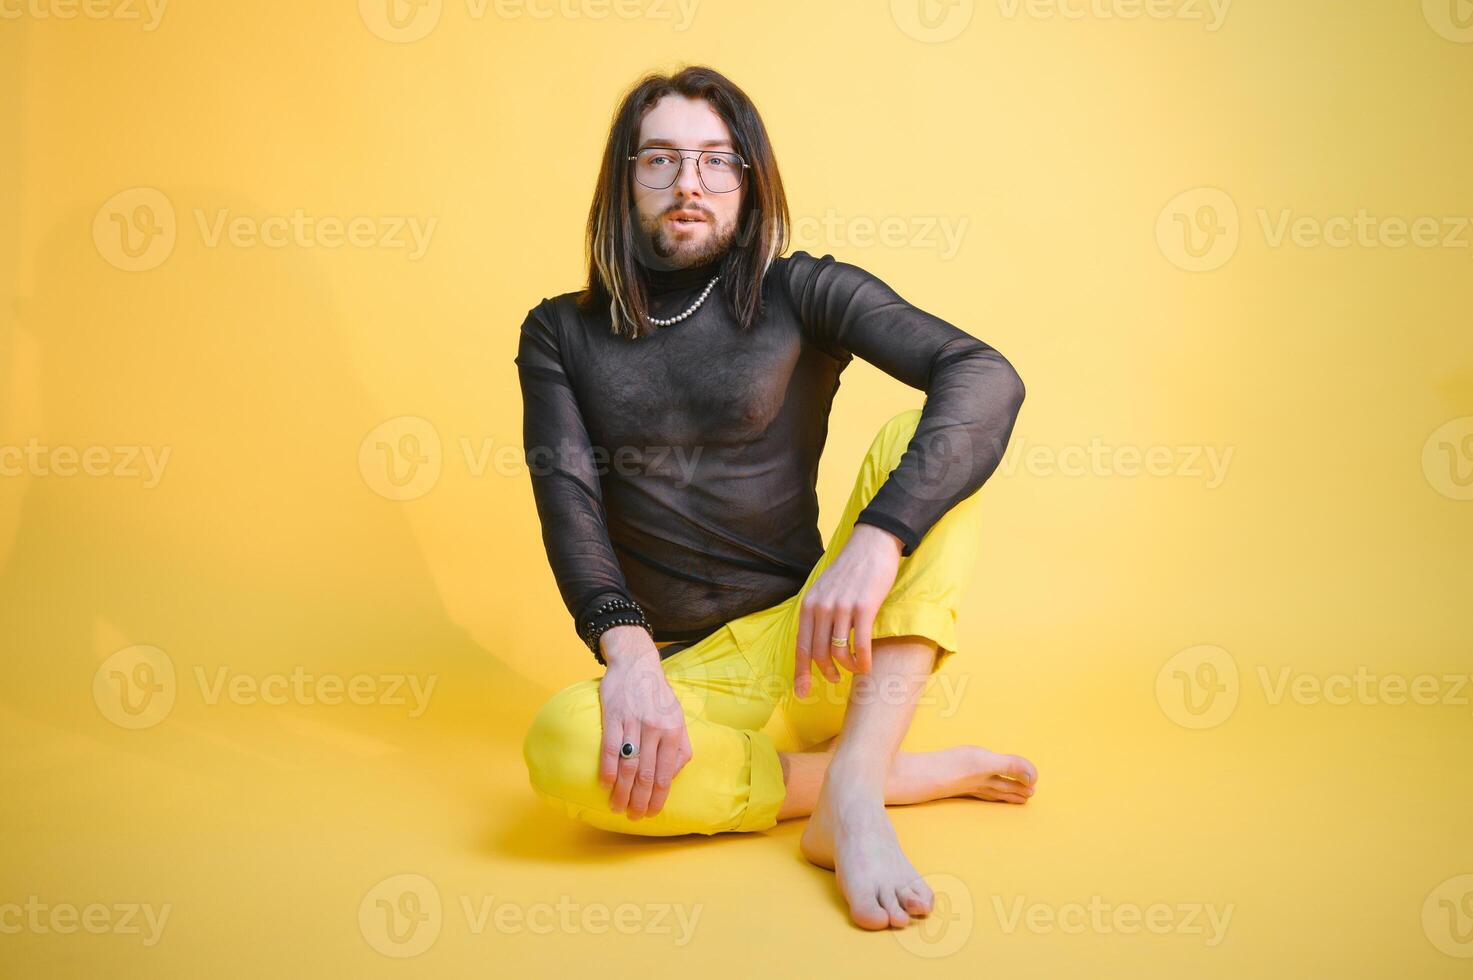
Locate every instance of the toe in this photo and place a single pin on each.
(1009, 787)
(891, 903)
(868, 913)
(912, 902)
(1020, 769)
(928, 897)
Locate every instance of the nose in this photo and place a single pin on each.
(688, 179)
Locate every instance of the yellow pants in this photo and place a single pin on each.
(736, 685)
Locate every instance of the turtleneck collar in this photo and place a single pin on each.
(674, 280)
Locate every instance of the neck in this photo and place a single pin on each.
(674, 280)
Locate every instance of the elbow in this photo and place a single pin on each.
(1014, 385)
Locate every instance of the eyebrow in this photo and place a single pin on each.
(660, 141)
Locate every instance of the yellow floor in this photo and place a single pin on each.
(1289, 840)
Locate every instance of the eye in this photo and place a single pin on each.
(657, 159)
(719, 162)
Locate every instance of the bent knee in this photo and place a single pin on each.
(893, 438)
(561, 747)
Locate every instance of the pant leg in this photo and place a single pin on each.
(925, 600)
(733, 781)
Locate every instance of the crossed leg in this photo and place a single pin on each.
(849, 831)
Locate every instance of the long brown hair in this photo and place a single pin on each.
(614, 276)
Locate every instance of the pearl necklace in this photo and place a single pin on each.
(657, 321)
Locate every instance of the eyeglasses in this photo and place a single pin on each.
(720, 171)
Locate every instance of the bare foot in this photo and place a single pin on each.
(962, 770)
(851, 835)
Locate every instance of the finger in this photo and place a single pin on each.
(864, 626)
(840, 651)
(608, 756)
(803, 660)
(644, 773)
(619, 798)
(823, 618)
(672, 758)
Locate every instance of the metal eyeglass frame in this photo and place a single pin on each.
(699, 174)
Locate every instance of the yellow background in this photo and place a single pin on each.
(273, 539)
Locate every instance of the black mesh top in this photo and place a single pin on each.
(678, 470)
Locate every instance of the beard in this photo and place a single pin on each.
(674, 251)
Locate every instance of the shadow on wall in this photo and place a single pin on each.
(227, 523)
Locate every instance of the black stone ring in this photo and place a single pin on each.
(629, 750)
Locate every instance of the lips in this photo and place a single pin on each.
(686, 217)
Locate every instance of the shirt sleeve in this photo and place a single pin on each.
(565, 481)
(973, 394)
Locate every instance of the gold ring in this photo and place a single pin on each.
(839, 641)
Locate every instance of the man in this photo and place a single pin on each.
(673, 432)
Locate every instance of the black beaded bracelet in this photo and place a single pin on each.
(623, 616)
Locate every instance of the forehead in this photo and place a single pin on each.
(679, 121)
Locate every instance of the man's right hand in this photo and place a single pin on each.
(639, 707)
